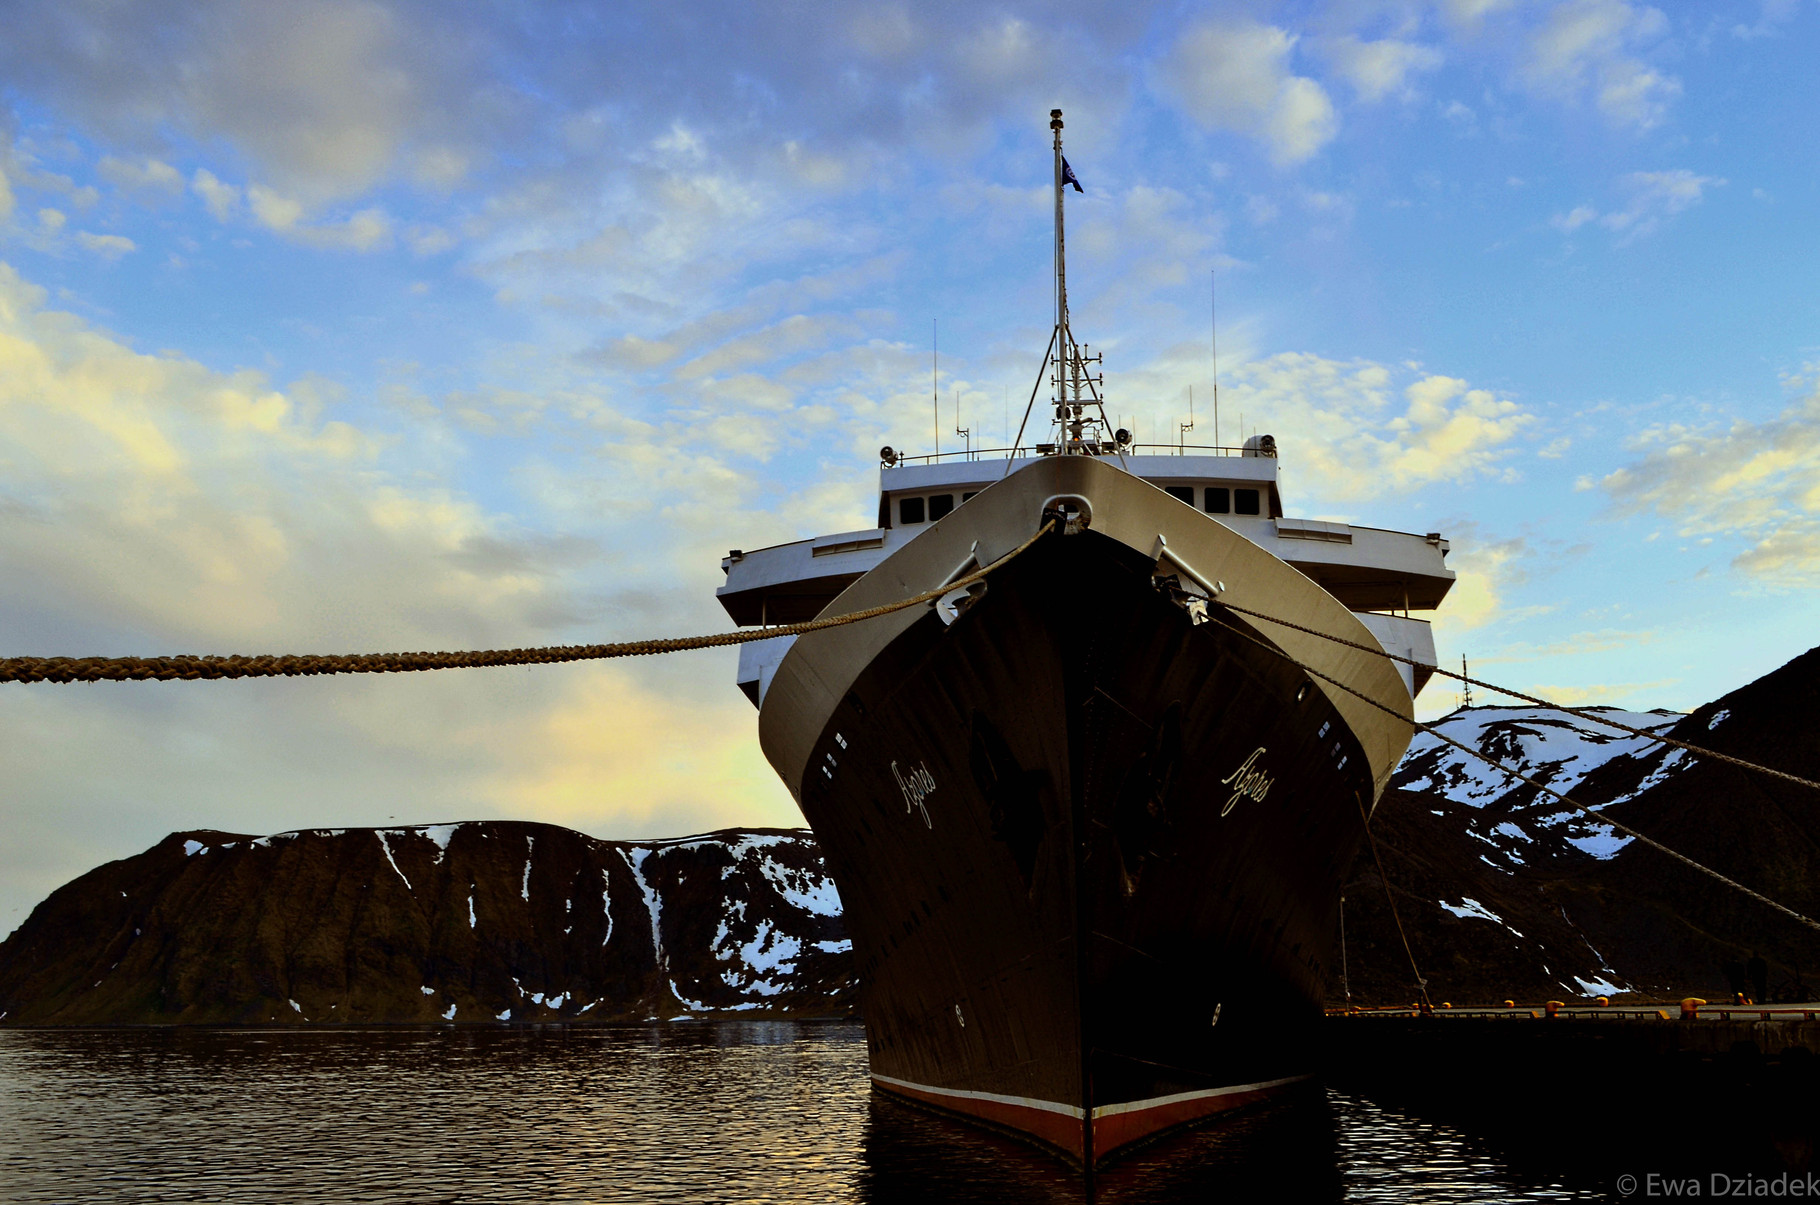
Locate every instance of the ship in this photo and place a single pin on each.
(1089, 810)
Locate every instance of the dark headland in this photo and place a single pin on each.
(1504, 893)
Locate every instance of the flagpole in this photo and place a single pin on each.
(1062, 338)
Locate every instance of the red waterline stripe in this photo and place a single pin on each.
(1114, 1126)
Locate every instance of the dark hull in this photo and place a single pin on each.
(1023, 813)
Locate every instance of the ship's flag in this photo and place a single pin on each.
(1068, 176)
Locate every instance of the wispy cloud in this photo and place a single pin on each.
(1754, 484)
(1652, 198)
(1594, 50)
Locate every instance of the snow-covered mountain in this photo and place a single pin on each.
(486, 921)
(1505, 892)
(1515, 821)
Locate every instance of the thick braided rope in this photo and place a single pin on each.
(1524, 778)
(164, 669)
(1583, 713)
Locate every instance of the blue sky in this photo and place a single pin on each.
(359, 326)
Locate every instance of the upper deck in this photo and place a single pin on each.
(1366, 568)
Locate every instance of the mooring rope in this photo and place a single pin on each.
(1524, 778)
(1391, 899)
(185, 668)
(1583, 713)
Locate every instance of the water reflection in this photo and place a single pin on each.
(746, 1112)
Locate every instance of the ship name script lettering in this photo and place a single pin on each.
(916, 786)
(1247, 782)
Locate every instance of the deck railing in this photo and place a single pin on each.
(1048, 449)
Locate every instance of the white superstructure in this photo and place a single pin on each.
(1381, 576)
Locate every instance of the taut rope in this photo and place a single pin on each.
(138, 669)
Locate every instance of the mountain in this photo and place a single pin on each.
(490, 921)
(1505, 892)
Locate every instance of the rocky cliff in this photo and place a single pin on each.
(492, 921)
(1507, 893)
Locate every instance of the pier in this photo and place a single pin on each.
(1618, 1089)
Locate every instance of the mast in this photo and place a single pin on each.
(1076, 390)
(1061, 253)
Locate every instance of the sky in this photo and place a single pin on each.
(376, 326)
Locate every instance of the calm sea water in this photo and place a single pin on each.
(748, 1112)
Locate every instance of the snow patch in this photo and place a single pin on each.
(192, 848)
(386, 844)
(813, 893)
(770, 952)
(502, 1016)
(530, 847)
(635, 861)
(843, 946)
(1471, 907)
(1719, 717)
(1598, 987)
(440, 834)
(1601, 841)
(428, 991)
(470, 907)
(450, 1014)
(295, 1007)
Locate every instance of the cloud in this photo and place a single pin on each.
(1351, 433)
(1487, 571)
(326, 98)
(146, 175)
(1773, 15)
(151, 494)
(1580, 644)
(1382, 68)
(1602, 694)
(1585, 49)
(1755, 486)
(1237, 77)
(795, 334)
(107, 246)
(1574, 218)
(368, 230)
(222, 199)
(1653, 198)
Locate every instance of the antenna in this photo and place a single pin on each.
(965, 433)
(1213, 331)
(1465, 686)
(1187, 426)
(935, 376)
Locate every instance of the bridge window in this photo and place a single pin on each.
(1219, 500)
(1247, 501)
(968, 495)
(909, 510)
(1182, 493)
(939, 505)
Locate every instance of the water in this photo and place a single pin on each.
(745, 1112)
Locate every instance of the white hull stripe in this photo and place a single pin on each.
(1050, 1106)
(1134, 1106)
(1047, 1106)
